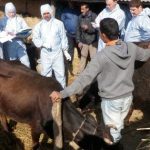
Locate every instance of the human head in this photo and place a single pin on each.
(135, 7)
(46, 11)
(10, 10)
(111, 4)
(84, 8)
(109, 29)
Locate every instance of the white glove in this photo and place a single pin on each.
(94, 25)
(67, 55)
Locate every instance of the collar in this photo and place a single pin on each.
(111, 43)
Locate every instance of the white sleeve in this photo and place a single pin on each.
(98, 19)
(24, 24)
(120, 17)
(64, 40)
(36, 38)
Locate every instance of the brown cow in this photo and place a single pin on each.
(24, 97)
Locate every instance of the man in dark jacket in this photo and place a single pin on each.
(86, 36)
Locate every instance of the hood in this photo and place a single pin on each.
(45, 8)
(9, 7)
(119, 54)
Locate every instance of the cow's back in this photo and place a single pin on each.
(24, 94)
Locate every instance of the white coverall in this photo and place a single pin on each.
(51, 37)
(117, 13)
(16, 48)
(138, 28)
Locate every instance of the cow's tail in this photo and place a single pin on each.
(56, 113)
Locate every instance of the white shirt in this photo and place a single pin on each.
(117, 13)
(138, 29)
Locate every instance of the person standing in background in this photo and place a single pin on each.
(86, 36)
(12, 24)
(138, 29)
(114, 11)
(49, 35)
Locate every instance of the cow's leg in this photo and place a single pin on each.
(57, 126)
(4, 122)
(35, 133)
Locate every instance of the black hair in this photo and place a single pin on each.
(110, 28)
(85, 4)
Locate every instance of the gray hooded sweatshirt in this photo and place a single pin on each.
(113, 69)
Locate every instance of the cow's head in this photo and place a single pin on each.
(78, 128)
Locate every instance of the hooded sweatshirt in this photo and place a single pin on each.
(113, 69)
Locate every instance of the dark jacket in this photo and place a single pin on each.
(89, 36)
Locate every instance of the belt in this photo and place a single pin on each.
(48, 49)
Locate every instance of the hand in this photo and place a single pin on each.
(94, 25)
(11, 33)
(55, 96)
(67, 55)
(84, 27)
(80, 45)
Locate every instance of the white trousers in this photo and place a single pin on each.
(114, 113)
(53, 61)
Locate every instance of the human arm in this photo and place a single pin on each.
(144, 28)
(146, 11)
(78, 34)
(142, 54)
(89, 27)
(55, 96)
(96, 23)
(84, 80)
(120, 18)
(64, 42)
(63, 17)
(36, 38)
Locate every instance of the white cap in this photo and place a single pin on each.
(9, 7)
(46, 8)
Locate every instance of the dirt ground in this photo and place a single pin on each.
(20, 139)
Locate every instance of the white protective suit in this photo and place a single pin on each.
(50, 36)
(138, 28)
(14, 49)
(117, 13)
